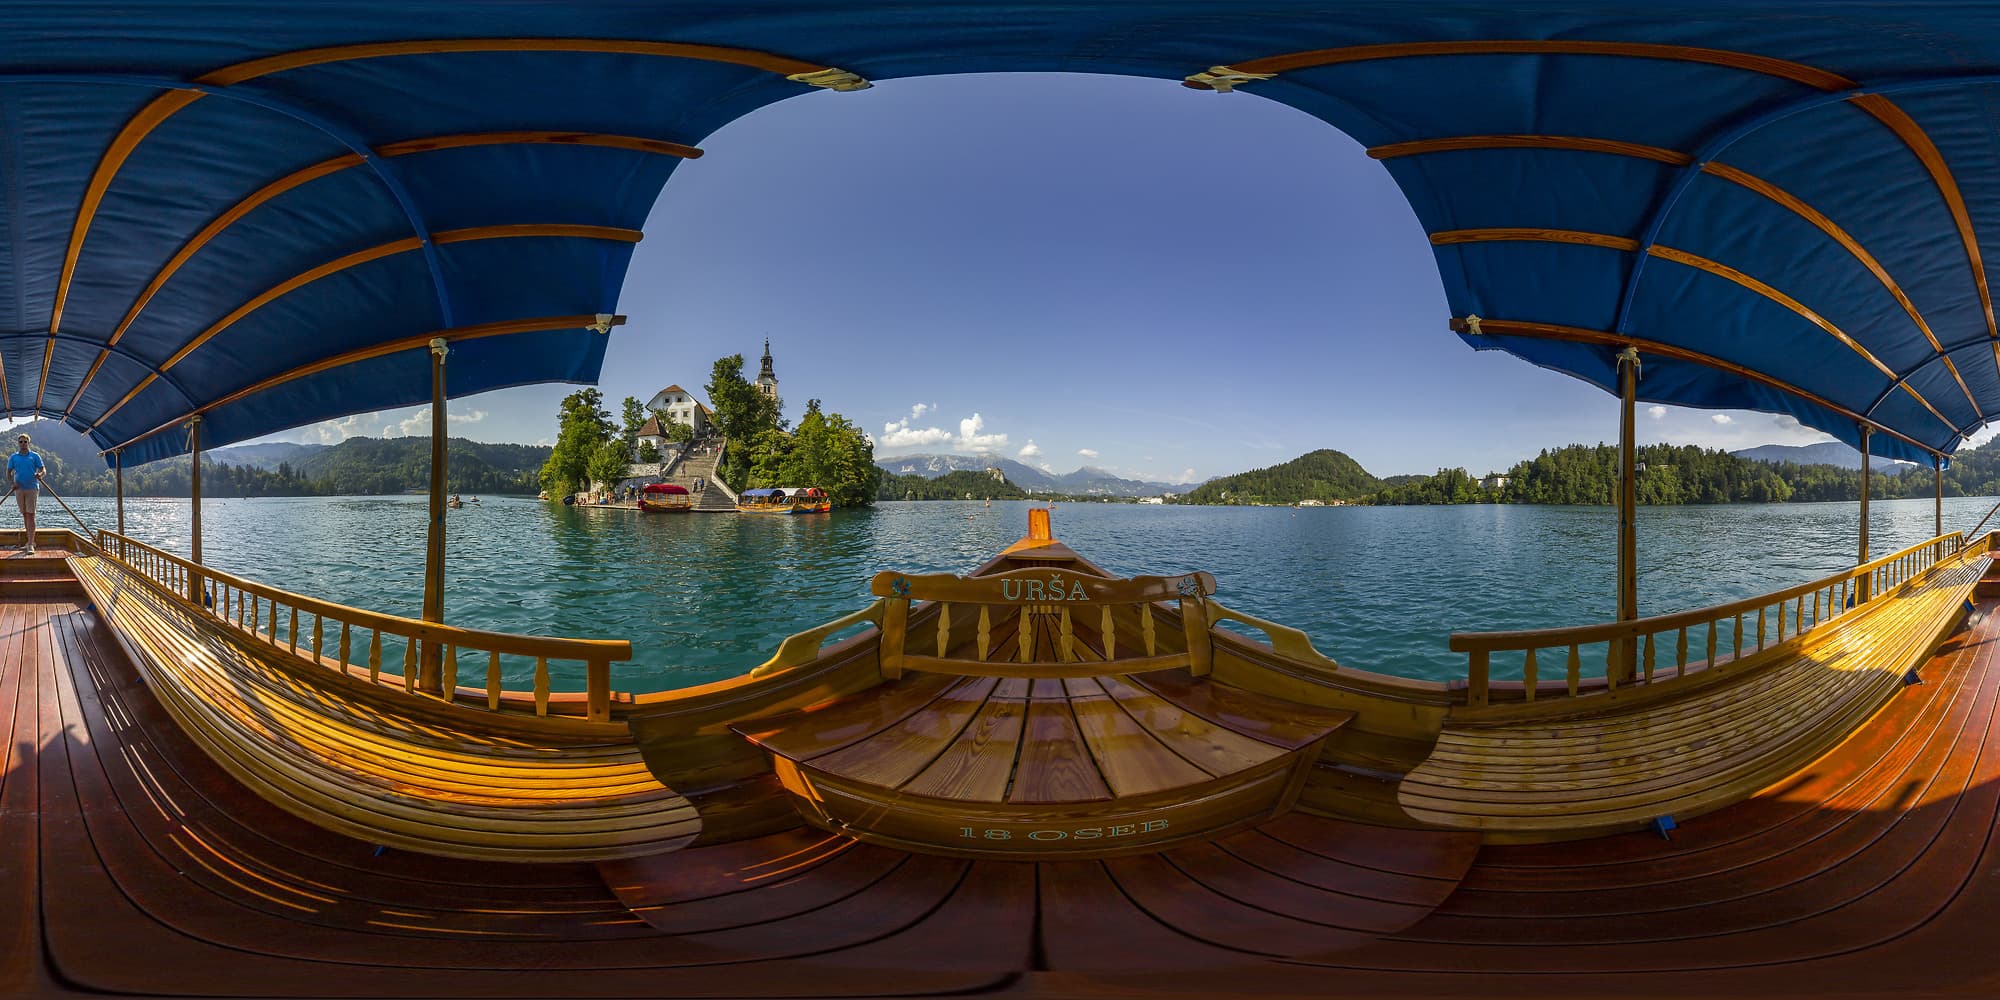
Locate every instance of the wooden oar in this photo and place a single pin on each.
(87, 533)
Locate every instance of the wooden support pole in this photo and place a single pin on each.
(1937, 502)
(1628, 503)
(118, 477)
(430, 672)
(194, 495)
(1865, 432)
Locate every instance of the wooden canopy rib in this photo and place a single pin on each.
(421, 341)
(1877, 106)
(1462, 236)
(1796, 72)
(358, 258)
(1580, 335)
(325, 167)
(165, 106)
(1742, 178)
(1919, 142)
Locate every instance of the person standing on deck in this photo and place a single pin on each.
(25, 468)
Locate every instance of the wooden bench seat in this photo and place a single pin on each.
(359, 766)
(1589, 773)
(1044, 765)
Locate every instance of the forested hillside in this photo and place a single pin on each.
(1325, 475)
(951, 486)
(1685, 474)
(355, 466)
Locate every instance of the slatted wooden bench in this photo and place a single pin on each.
(354, 763)
(1043, 713)
(1705, 744)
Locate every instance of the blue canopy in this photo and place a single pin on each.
(262, 214)
(761, 493)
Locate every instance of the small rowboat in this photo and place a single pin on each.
(665, 498)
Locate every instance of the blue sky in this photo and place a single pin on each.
(1071, 270)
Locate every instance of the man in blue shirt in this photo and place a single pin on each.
(25, 472)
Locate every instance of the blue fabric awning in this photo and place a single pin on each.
(262, 214)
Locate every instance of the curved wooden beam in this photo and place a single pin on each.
(1580, 335)
(356, 259)
(1873, 102)
(1628, 245)
(161, 108)
(1742, 178)
(323, 168)
(421, 341)
(1796, 72)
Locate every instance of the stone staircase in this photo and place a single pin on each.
(713, 497)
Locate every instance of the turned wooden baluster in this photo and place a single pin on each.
(493, 680)
(985, 631)
(1760, 629)
(1713, 653)
(541, 685)
(1649, 657)
(1066, 638)
(1146, 629)
(943, 629)
(410, 666)
(292, 630)
(1529, 676)
(1681, 650)
(1107, 632)
(375, 655)
(1574, 669)
(1024, 635)
(344, 648)
(450, 665)
(316, 636)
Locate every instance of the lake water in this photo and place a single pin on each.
(706, 596)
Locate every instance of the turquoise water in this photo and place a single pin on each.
(706, 596)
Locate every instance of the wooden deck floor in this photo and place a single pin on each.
(130, 863)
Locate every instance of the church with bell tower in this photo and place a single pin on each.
(767, 380)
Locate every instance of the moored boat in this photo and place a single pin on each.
(665, 498)
(784, 500)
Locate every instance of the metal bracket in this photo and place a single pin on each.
(1225, 80)
(831, 79)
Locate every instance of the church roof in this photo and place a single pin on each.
(652, 428)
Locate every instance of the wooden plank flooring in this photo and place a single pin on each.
(130, 863)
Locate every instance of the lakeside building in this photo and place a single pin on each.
(1494, 481)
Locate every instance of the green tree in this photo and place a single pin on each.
(742, 413)
(635, 418)
(648, 452)
(609, 462)
(583, 429)
(827, 451)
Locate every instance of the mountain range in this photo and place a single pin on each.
(1087, 481)
(1832, 453)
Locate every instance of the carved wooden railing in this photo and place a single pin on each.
(1284, 640)
(1746, 627)
(329, 635)
(1038, 604)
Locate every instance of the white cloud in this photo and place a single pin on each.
(1723, 419)
(336, 431)
(1656, 412)
(899, 434)
(418, 424)
(1186, 476)
(1087, 452)
(1029, 450)
(971, 436)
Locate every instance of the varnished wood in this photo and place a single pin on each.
(478, 331)
(431, 679)
(1628, 511)
(357, 259)
(1782, 68)
(1581, 144)
(1465, 236)
(1575, 334)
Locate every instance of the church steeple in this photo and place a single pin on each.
(767, 379)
